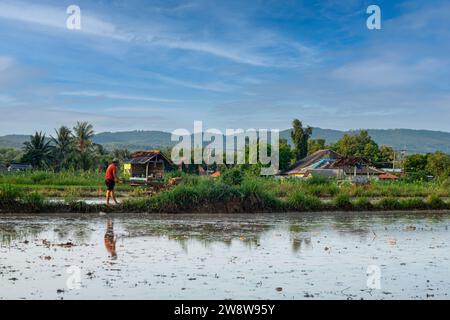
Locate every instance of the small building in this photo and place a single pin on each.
(3, 168)
(18, 167)
(357, 169)
(330, 164)
(317, 163)
(145, 166)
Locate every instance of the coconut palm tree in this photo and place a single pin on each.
(83, 135)
(38, 151)
(63, 144)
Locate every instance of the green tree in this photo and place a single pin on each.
(83, 135)
(415, 167)
(415, 163)
(285, 154)
(38, 151)
(63, 142)
(300, 137)
(315, 145)
(9, 155)
(359, 145)
(386, 153)
(438, 164)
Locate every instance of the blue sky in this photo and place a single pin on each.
(160, 65)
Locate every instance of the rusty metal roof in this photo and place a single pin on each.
(143, 157)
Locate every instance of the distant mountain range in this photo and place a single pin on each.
(420, 141)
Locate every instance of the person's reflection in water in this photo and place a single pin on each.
(110, 240)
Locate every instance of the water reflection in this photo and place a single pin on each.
(202, 229)
(10, 232)
(300, 235)
(226, 256)
(110, 239)
(207, 230)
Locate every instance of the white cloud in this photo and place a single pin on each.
(387, 72)
(56, 18)
(111, 95)
(237, 51)
(214, 86)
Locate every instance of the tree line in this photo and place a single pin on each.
(74, 149)
(68, 149)
(360, 144)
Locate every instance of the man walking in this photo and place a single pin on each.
(110, 181)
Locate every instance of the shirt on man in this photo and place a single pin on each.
(111, 172)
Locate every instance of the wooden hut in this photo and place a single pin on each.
(146, 166)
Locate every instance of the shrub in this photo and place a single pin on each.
(34, 200)
(363, 204)
(343, 202)
(446, 183)
(252, 189)
(412, 204)
(9, 194)
(389, 204)
(435, 202)
(318, 180)
(301, 202)
(232, 176)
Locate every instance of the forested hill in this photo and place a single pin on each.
(421, 141)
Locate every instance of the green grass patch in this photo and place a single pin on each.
(343, 202)
(299, 201)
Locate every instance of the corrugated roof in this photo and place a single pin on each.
(351, 161)
(20, 166)
(143, 157)
(318, 160)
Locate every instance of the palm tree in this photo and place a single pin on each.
(83, 135)
(38, 151)
(63, 144)
(83, 132)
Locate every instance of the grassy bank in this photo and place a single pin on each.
(64, 184)
(91, 184)
(207, 195)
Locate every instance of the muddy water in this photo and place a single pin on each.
(289, 256)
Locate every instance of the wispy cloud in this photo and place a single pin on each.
(235, 51)
(214, 86)
(115, 96)
(387, 72)
(56, 18)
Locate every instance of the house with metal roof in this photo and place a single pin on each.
(145, 166)
(358, 169)
(16, 167)
(317, 163)
(330, 164)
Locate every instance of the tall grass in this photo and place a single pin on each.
(232, 193)
(196, 193)
(47, 178)
(9, 194)
(299, 201)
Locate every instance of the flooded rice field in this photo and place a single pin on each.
(267, 256)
